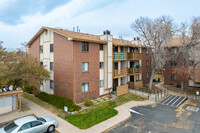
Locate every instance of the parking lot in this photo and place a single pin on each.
(174, 114)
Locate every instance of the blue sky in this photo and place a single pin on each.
(21, 19)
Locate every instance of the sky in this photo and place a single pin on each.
(21, 19)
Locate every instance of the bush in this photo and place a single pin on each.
(88, 102)
(29, 89)
(105, 98)
(94, 102)
(58, 101)
(99, 100)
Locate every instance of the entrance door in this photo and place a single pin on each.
(131, 64)
(132, 78)
(115, 84)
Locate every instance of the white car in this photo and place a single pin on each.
(31, 124)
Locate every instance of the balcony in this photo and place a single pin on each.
(126, 71)
(119, 56)
(133, 71)
(134, 56)
(120, 73)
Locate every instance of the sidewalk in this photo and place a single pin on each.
(159, 85)
(64, 126)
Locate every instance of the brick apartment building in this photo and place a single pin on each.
(89, 66)
(170, 77)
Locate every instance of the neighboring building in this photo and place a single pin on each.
(169, 77)
(88, 66)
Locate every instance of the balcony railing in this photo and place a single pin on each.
(134, 56)
(133, 71)
(126, 71)
(120, 73)
(119, 56)
(135, 85)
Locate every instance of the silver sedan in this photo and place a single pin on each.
(31, 124)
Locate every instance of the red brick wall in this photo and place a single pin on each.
(145, 69)
(63, 66)
(91, 77)
(34, 49)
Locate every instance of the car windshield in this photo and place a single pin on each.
(10, 127)
(41, 119)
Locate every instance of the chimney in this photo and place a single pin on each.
(106, 32)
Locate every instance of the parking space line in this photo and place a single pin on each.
(133, 111)
(176, 100)
(167, 99)
(171, 100)
(181, 101)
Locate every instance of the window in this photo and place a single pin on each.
(101, 83)
(51, 66)
(147, 63)
(85, 87)
(147, 51)
(85, 46)
(85, 67)
(41, 82)
(101, 65)
(173, 50)
(101, 46)
(36, 123)
(51, 84)
(10, 127)
(25, 126)
(51, 48)
(173, 63)
(174, 77)
(147, 75)
(41, 63)
(132, 50)
(41, 49)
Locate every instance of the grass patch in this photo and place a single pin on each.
(94, 115)
(100, 112)
(128, 97)
(58, 101)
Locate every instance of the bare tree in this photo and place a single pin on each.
(188, 51)
(155, 34)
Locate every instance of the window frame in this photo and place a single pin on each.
(84, 48)
(100, 83)
(84, 67)
(51, 81)
(100, 66)
(101, 47)
(147, 51)
(41, 49)
(147, 63)
(51, 66)
(51, 48)
(41, 63)
(83, 90)
(147, 75)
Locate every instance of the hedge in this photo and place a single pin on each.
(58, 101)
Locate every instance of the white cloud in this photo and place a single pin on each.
(115, 16)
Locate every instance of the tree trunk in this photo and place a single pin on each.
(182, 85)
(151, 80)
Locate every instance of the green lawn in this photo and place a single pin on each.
(128, 97)
(101, 112)
(92, 116)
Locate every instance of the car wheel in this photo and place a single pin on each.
(51, 129)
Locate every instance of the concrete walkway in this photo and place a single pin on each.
(64, 126)
(159, 85)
